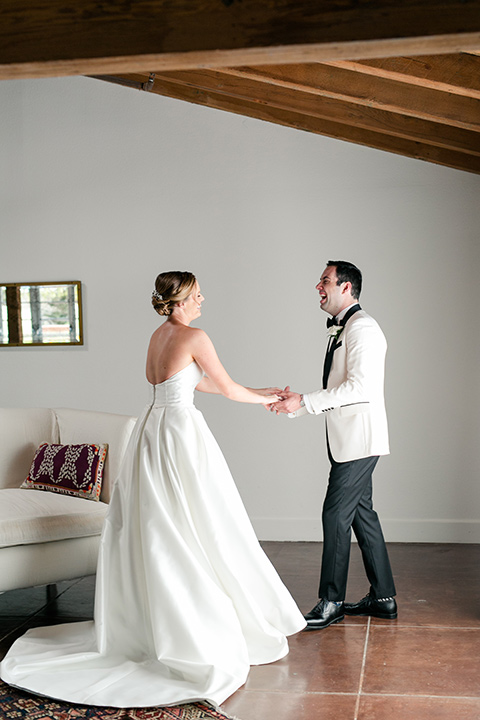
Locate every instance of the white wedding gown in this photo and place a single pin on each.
(186, 600)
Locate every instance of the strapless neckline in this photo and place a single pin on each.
(177, 390)
(174, 374)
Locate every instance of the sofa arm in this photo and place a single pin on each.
(22, 430)
(86, 426)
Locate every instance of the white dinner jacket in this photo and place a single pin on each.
(353, 401)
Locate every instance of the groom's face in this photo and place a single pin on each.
(333, 297)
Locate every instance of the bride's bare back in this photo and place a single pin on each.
(170, 351)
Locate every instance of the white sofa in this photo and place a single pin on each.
(46, 537)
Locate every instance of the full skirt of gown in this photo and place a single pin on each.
(186, 600)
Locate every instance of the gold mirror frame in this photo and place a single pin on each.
(41, 314)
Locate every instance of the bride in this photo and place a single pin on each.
(185, 600)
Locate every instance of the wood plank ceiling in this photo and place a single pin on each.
(399, 77)
(425, 107)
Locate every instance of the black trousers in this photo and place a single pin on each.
(348, 505)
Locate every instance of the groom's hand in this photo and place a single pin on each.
(289, 402)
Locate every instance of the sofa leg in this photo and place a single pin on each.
(51, 592)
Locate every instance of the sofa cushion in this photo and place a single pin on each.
(21, 432)
(36, 517)
(69, 469)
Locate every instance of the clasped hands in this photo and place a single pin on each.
(288, 402)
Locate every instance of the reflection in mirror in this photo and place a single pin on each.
(41, 314)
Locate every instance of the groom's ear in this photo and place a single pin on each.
(347, 287)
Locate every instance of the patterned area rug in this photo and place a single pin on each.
(16, 705)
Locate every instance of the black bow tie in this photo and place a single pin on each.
(346, 317)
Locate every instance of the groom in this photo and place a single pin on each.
(357, 434)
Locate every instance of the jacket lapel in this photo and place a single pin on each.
(336, 342)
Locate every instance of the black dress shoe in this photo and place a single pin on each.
(324, 613)
(386, 609)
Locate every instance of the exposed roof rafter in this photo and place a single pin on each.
(365, 105)
(402, 77)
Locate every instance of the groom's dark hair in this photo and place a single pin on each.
(348, 272)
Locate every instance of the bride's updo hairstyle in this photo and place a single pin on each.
(170, 289)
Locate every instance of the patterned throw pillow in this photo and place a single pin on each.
(69, 469)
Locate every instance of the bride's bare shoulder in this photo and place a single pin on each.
(198, 336)
(197, 332)
(178, 337)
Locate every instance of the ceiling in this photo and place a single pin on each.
(425, 107)
(399, 77)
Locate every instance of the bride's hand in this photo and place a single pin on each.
(268, 401)
(269, 391)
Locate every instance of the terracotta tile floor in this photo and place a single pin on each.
(424, 666)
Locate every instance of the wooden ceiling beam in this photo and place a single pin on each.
(41, 38)
(320, 105)
(372, 91)
(369, 137)
(458, 74)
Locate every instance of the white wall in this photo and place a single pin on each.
(111, 186)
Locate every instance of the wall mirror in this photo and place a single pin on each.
(33, 314)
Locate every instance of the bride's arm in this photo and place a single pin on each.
(208, 386)
(218, 380)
